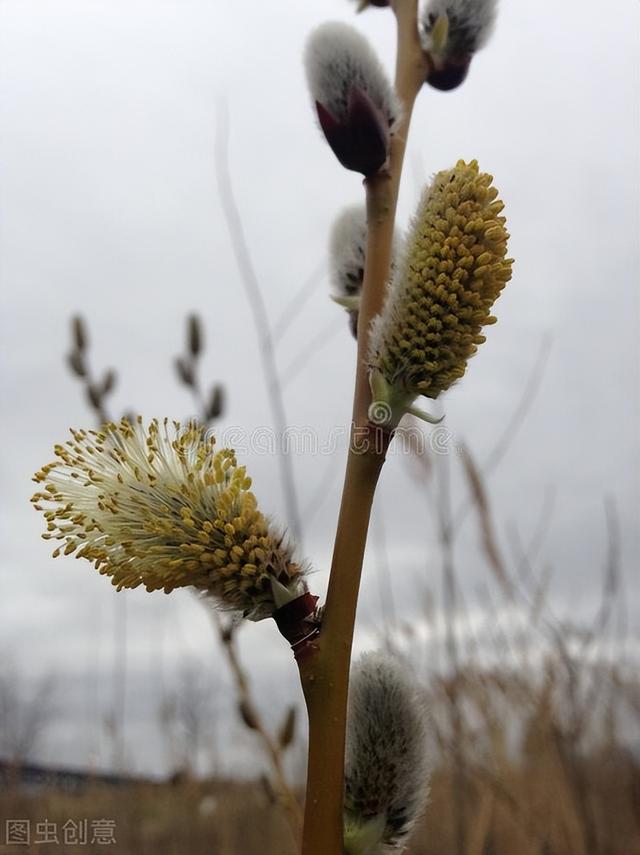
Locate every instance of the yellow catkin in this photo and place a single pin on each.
(160, 506)
(442, 294)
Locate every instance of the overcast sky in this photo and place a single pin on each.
(109, 207)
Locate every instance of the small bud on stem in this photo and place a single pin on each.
(347, 254)
(387, 766)
(452, 32)
(356, 105)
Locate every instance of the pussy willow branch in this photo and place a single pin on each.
(325, 669)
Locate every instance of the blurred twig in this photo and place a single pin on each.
(96, 391)
(383, 574)
(24, 714)
(96, 394)
(312, 348)
(212, 404)
(274, 747)
(518, 416)
(450, 608)
(330, 477)
(487, 528)
(506, 438)
(298, 302)
(260, 317)
(525, 556)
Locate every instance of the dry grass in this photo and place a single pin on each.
(175, 819)
(526, 808)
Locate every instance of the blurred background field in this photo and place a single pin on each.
(539, 815)
(538, 767)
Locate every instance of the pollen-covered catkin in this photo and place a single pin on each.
(160, 506)
(442, 293)
(387, 759)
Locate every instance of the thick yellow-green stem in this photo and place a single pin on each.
(324, 668)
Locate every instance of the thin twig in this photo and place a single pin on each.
(298, 302)
(318, 497)
(311, 349)
(260, 317)
(489, 538)
(272, 747)
(450, 608)
(531, 389)
(506, 438)
(383, 574)
(96, 394)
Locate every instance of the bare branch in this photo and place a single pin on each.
(259, 313)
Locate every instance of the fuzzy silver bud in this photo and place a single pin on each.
(357, 107)
(364, 4)
(347, 254)
(387, 760)
(452, 31)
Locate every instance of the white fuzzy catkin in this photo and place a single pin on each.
(347, 254)
(347, 251)
(471, 23)
(387, 759)
(338, 59)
